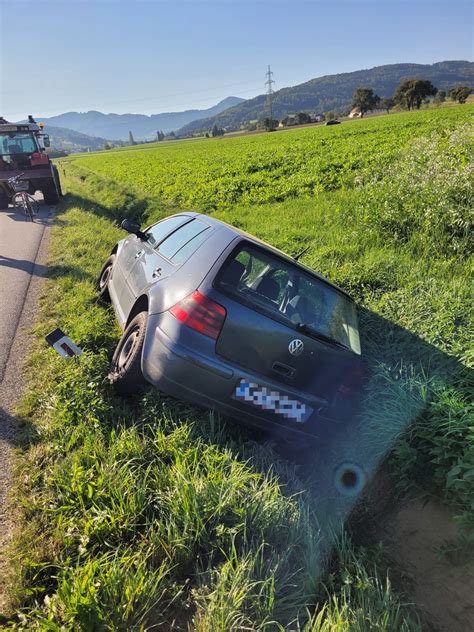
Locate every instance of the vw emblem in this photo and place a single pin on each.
(296, 347)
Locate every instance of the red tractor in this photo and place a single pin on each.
(22, 151)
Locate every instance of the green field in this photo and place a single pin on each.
(151, 513)
(213, 174)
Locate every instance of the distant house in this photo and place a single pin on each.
(355, 113)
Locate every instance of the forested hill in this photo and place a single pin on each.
(334, 92)
(69, 140)
(118, 126)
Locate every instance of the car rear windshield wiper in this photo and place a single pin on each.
(307, 329)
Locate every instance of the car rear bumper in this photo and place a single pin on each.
(184, 373)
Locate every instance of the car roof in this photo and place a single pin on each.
(237, 232)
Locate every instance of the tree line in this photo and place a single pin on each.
(409, 95)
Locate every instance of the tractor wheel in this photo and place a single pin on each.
(4, 199)
(50, 193)
(58, 181)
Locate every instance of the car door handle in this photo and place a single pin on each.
(156, 273)
(139, 254)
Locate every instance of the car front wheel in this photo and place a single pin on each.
(102, 283)
(125, 369)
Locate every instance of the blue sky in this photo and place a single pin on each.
(152, 56)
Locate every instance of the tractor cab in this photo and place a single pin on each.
(22, 150)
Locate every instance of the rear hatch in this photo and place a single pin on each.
(286, 324)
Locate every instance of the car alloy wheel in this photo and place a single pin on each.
(125, 369)
(102, 283)
(128, 347)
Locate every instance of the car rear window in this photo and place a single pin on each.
(184, 241)
(267, 283)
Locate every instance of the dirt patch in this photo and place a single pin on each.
(442, 588)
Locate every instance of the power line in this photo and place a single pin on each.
(268, 83)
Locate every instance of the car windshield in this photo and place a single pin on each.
(12, 143)
(267, 283)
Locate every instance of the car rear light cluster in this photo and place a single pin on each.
(201, 314)
(352, 382)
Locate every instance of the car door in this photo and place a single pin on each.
(133, 250)
(156, 264)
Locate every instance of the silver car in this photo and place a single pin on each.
(215, 316)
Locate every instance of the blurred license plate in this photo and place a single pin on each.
(273, 401)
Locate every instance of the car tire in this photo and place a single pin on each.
(102, 283)
(126, 367)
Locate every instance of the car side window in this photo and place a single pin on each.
(158, 232)
(184, 241)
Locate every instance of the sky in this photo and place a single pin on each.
(150, 56)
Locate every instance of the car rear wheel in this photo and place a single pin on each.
(125, 369)
(102, 283)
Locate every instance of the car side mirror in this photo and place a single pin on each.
(133, 227)
(46, 140)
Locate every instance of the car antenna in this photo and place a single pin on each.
(302, 252)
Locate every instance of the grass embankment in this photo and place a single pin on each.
(149, 512)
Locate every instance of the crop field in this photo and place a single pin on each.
(150, 514)
(209, 174)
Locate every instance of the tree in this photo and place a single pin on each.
(216, 131)
(387, 103)
(410, 93)
(460, 93)
(160, 135)
(302, 118)
(329, 116)
(131, 140)
(364, 99)
(440, 97)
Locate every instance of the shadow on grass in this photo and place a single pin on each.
(130, 207)
(41, 270)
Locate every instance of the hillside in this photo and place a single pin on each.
(334, 92)
(117, 126)
(70, 140)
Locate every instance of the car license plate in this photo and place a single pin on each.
(273, 401)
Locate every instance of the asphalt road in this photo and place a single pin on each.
(23, 250)
(19, 244)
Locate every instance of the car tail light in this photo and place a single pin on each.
(201, 314)
(352, 382)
